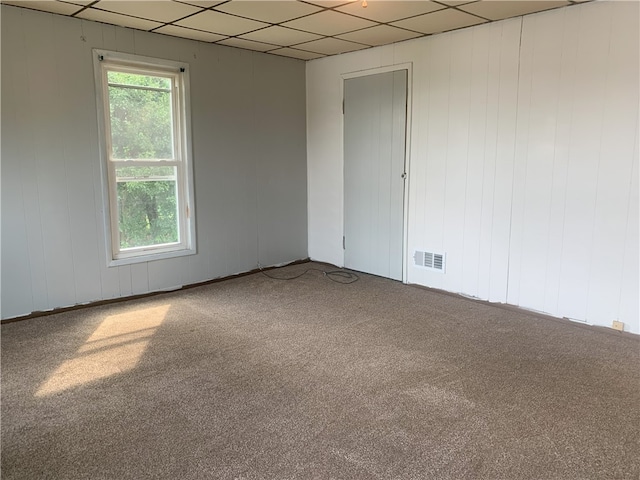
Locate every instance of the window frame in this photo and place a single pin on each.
(178, 72)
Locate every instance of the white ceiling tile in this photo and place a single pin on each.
(388, 11)
(281, 36)
(53, 7)
(439, 21)
(455, 3)
(497, 10)
(117, 19)
(159, 11)
(189, 33)
(329, 22)
(201, 3)
(380, 35)
(84, 3)
(292, 52)
(268, 11)
(329, 3)
(222, 23)
(247, 44)
(331, 46)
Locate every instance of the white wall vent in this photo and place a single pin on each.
(431, 260)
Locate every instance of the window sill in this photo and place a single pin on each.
(150, 257)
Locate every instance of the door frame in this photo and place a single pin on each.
(407, 150)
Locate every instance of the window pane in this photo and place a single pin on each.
(141, 123)
(140, 80)
(147, 206)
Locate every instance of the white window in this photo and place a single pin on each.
(143, 110)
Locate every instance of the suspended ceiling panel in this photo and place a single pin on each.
(299, 29)
(389, 11)
(499, 10)
(440, 21)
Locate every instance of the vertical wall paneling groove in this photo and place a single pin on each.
(474, 178)
(522, 149)
(431, 196)
(508, 45)
(123, 39)
(139, 273)
(487, 100)
(53, 210)
(563, 107)
(109, 35)
(124, 280)
(455, 175)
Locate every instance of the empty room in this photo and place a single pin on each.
(320, 239)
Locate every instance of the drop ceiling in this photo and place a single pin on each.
(300, 29)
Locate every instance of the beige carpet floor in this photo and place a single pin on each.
(257, 378)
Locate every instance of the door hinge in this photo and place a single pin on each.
(343, 243)
(188, 212)
(343, 106)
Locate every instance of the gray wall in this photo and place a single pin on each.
(249, 147)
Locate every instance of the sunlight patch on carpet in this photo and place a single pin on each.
(116, 346)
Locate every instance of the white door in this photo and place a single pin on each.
(375, 117)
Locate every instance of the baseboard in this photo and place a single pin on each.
(79, 306)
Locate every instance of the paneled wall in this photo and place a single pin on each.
(248, 121)
(461, 163)
(523, 159)
(574, 236)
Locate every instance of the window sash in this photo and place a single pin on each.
(182, 212)
(176, 103)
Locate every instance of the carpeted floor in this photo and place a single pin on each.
(258, 378)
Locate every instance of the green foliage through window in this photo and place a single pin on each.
(141, 121)
(141, 118)
(147, 213)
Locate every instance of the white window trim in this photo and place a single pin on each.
(182, 139)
